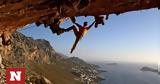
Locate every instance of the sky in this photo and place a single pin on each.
(129, 37)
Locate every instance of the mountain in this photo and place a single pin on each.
(80, 62)
(43, 64)
(24, 49)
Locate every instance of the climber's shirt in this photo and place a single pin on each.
(83, 31)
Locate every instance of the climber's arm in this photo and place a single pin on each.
(91, 25)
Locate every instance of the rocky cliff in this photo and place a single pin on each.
(43, 65)
(15, 14)
(24, 49)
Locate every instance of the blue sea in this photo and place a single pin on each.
(128, 73)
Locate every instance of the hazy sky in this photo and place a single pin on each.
(133, 36)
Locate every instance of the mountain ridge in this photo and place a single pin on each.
(43, 64)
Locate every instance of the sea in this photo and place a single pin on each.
(128, 73)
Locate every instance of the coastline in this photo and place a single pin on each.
(89, 75)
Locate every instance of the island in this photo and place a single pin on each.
(150, 70)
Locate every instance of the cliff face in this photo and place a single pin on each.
(15, 14)
(25, 49)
